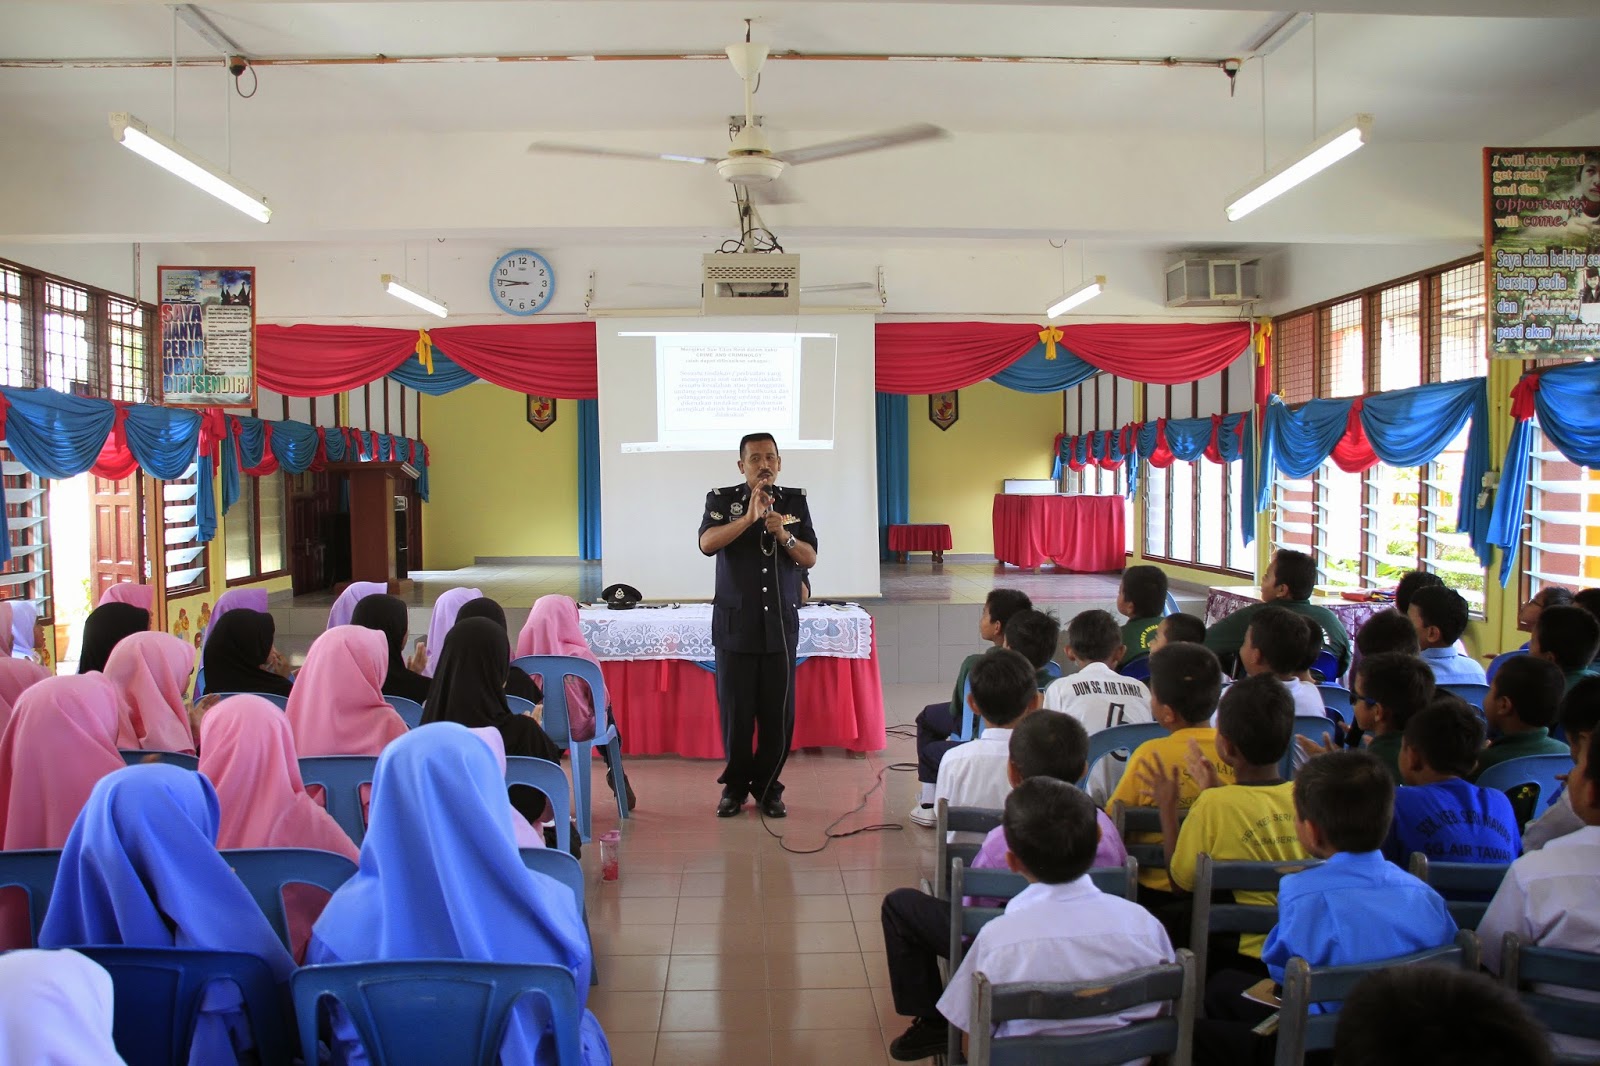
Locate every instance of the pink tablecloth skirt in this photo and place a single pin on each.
(1084, 533)
(669, 706)
(919, 538)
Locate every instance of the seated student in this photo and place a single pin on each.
(1387, 690)
(1437, 812)
(1548, 897)
(1097, 696)
(974, 774)
(150, 672)
(1185, 680)
(105, 627)
(1141, 598)
(440, 878)
(1411, 582)
(916, 925)
(1251, 820)
(337, 706)
(1578, 717)
(1588, 599)
(1289, 581)
(1061, 927)
(1568, 637)
(239, 655)
(1275, 644)
(1549, 596)
(1388, 630)
(938, 721)
(141, 868)
(1178, 629)
(1436, 1016)
(16, 677)
(1521, 706)
(1440, 616)
(440, 621)
(55, 1009)
(518, 683)
(390, 616)
(1356, 907)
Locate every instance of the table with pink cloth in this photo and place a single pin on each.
(664, 696)
(1083, 533)
(1221, 601)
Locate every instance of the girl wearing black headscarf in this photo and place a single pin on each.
(518, 683)
(388, 615)
(104, 629)
(239, 656)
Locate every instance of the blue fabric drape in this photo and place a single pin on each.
(335, 445)
(588, 479)
(162, 439)
(1034, 373)
(1505, 522)
(57, 435)
(894, 469)
(295, 445)
(447, 376)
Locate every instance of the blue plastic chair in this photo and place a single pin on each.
(550, 779)
(1138, 669)
(1171, 606)
(341, 778)
(1500, 660)
(1473, 694)
(553, 670)
(1338, 700)
(200, 676)
(431, 1012)
(280, 702)
(1467, 887)
(564, 868)
(265, 871)
(1327, 665)
(520, 705)
(1540, 976)
(1118, 738)
(1316, 727)
(971, 721)
(158, 992)
(409, 710)
(1535, 772)
(133, 757)
(1052, 670)
(33, 871)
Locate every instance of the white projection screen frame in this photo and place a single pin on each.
(808, 380)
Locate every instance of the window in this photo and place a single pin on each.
(16, 327)
(186, 556)
(1423, 329)
(126, 337)
(1562, 537)
(73, 338)
(254, 529)
(69, 340)
(27, 575)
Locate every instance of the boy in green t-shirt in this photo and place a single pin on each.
(1141, 598)
(1521, 706)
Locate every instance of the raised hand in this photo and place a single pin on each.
(1202, 769)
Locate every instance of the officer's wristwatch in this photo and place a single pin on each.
(788, 544)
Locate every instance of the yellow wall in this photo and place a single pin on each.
(499, 487)
(955, 473)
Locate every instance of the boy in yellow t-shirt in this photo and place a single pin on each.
(1185, 680)
(1249, 821)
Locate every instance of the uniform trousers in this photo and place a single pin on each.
(755, 696)
(935, 724)
(916, 935)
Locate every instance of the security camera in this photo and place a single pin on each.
(1230, 67)
(237, 65)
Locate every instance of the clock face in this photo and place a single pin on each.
(522, 282)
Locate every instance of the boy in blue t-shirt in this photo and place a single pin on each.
(1438, 812)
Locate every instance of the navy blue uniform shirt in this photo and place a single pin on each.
(757, 603)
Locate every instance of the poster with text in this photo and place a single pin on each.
(208, 336)
(1542, 251)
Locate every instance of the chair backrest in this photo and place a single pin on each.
(557, 864)
(1467, 887)
(1168, 1034)
(1138, 669)
(33, 871)
(200, 673)
(158, 993)
(1523, 966)
(1118, 880)
(1052, 670)
(1315, 726)
(1326, 665)
(410, 711)
(1337, 699)
(1208, 916)
(550, 779)
(1499, 661)
(1529, 781)
(1300, 1031)
(553, 671)
(1171, 606)
(436, 1012)
(265, 871)
(958, 820)
(1473, 693)
(280, 702)
(341, 778)
(1118, 738)
(133, 757)
(1128, 820)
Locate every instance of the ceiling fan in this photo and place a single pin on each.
(751, 163)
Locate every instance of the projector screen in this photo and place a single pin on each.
(676, 394)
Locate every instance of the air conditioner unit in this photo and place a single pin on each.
(1213, 282)
(750, 283)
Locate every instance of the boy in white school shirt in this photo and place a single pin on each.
(973, 774)
(1097, 696)
(1061, 927)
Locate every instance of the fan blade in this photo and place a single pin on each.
(871, 142)
(557, 148)
(848, 286)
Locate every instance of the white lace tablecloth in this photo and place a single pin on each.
(684, 632)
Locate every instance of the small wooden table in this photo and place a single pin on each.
(920, 538)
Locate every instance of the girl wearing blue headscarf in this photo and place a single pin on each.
(440, 878)
(141, 868)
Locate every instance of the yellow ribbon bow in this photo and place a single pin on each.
(1263, 336)
(1049, 336)
(425, 350)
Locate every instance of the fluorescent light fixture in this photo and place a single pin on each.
(170, 155)
(414, 297)
(1310, 161)
(1081, 295)
(1276, 32)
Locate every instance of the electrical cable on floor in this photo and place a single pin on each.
(829, 836)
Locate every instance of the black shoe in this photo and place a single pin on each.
(611, 781)
(727, 807)
(774, 808)
(926, 1038)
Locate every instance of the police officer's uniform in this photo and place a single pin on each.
(755, 620)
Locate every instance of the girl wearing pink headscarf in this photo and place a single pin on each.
(151, 673)
(445, 609)
(19, 620)
(16, 677)
(141, 596)
(337, 705)
(248, 752)
(354, 593)
(552, 629)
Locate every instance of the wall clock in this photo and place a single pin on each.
(522, 282)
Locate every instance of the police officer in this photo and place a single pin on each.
(762, 537)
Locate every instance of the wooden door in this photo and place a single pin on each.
(117, 535)
(312, 497)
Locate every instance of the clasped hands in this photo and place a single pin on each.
(1165, 784)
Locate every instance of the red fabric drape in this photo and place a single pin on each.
(1158, 353)
(1354, 453)
(551, 359)
(116, 460)
(323, 360)
(915, 358)
(1214, 448)
(1521, 398)
(1162, 457)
